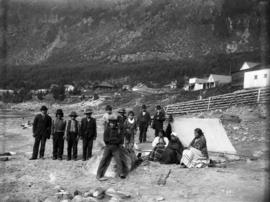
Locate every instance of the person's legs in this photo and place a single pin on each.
(116, 152)
(75, 147)
(60, 145)
(85, 145)
(156, 132)
(141, 134)
(55, 143)
(144, 133)
(69, 147)
(42, 147)
(105, 162)
(90, 146)
(36, 147)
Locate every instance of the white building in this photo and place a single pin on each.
(216, 79)
(257, 78)
(69, 88)
(197, 83)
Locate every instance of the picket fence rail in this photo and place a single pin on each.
(242, 97)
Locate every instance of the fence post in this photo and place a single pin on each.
(209, 101)
(259, 95)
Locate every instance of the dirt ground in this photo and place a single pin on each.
(242, 180)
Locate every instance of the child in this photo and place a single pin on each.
(58, 131)
(72, 136)
(130, 129)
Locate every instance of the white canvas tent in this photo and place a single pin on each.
(215, 134)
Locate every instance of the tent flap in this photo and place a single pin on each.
(214, 132)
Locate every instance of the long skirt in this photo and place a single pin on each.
(193, 158)
(156, 154)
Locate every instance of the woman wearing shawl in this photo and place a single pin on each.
(159, 145)
(196, 154)
(173, 153)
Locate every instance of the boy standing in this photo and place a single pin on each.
(88, 133)
(72, 136)
(58, 130)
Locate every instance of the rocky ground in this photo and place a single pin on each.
(242, 180)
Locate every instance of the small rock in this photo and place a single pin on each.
(244, 139)
(99, 193)
(248, 160)
(76, 192)
(77, 198)
(236, 128)
(59, 188)
(257, 154)
(160, 198)
(115, 199)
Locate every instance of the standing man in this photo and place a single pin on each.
(72, 136)
(88, 133)
(158, 120)
(41, 132)
(113, 140)
(144, 120)
(58, 131)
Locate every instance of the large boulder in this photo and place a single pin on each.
(128, 157)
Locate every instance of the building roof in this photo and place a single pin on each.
(249, 65)
(219, 78)
(197, 80)
(105, 84)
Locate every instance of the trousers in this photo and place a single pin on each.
(58, 144)
(109, 152)
(72, 147)
(87, 148)
(39, 140)
(143, 130)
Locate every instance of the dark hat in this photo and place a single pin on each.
(108, 107)
(122, 111)
(143, 106)
(131, 112)
(158, 107)
(88, 111)
(59, 111)
(73, 114)
(43, 108)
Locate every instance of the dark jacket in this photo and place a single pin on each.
(158, 121)
(121, 120)
(42, 126)
(173, 152)
(69, 125)
(88, 129)
(144, 120)
(113, 136)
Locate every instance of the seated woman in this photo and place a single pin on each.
(173, 152)
(159, 144)
(196, 154)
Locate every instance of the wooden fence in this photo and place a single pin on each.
(248, 97)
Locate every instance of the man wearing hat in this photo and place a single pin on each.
(144, 120)
(88, 133)
(58, 131)
(41, 131)
(113, 140)
(72, 135)
(158, 120)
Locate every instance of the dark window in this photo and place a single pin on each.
(255, 76)
(265, 75)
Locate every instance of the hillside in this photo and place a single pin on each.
(89, 33)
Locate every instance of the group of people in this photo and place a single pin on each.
(172, 151)
(119, 133)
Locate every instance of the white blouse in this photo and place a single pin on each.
(156, 141)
